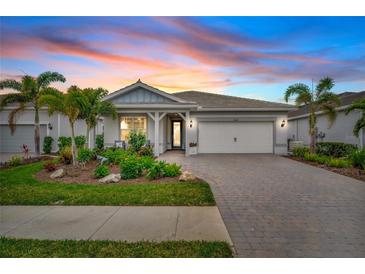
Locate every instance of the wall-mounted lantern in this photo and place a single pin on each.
(282, 123)
(50, 127)
(191, 123)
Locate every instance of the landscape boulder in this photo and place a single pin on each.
(186, 176)
(111, 178)
(59, 173)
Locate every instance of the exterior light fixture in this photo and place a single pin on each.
(282, 123)
(191, 123)
(50, 127)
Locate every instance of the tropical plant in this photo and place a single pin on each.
(85, 155)
(156, 171)
(94, 107)
(99, 141)
(29, 91)
(357, 158)
(320, 99)
(71, 105)
(335, 149)
(47, 144)
(80, 141)
(172, 170)
(299, 151)
(130, 167)
(64, 141)
(49, 166)
(114, 155)
(136, 140)
(146, 151)
(15, 160)
(358, 105)
(66, 155)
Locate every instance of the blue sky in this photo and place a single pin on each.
(256, 57)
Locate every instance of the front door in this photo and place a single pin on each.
(176, 134)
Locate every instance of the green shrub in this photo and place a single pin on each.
(335, 149)
(146, 151)
(85, 155)
(357, 158)
(130, 167)
(66, 155)
(146, 162)
(172, 170)
(15, 161)
(101, 171)
(80, 141)
(156, 171)
(63, 141)
(114, 155)
(300, 151)
(47, 144)
(136, 140)
(99, 141)
(339, 163)
(310, 156)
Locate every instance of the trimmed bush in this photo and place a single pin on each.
(114, 155)
(300, 151)
(101, 171)
(85, 155)
(47, 144)
(64, 141)
(15, 161)
(80, 141)
(66, 155)
(335, 149)
(136, 140)
(357, 158)
(156, 171)
(172, 170)
(130, 167)
(99, 141)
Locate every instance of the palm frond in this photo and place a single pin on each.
(328, 97)
(48, 77)
(11, 84)
(297, 89)
(330, 112)
(360, 124)
(324, 85)
(13, 98)
(107, 109)
(357, 105)
(53, 102)
(12, 117)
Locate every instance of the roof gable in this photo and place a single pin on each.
(141, 93)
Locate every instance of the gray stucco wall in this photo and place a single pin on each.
(340, 131)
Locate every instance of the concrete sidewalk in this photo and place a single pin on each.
(126, 223)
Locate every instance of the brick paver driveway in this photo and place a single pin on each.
(276, 207)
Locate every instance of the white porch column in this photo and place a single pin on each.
(157, 135)
(187, 125)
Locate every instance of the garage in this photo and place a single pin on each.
(24, 134)
(235, 137)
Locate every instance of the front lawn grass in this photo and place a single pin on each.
(26, 248)
(19, 187)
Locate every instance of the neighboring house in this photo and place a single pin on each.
(340, 131)
(197, 122)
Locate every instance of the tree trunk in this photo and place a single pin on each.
(73, 146)
(37, 132)
(312, 131)
(87, 136)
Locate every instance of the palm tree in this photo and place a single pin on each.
(29, 91)
(320, 99)
(360, 106)
(70, 104)
(95, 107)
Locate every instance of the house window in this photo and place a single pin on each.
(132, 123)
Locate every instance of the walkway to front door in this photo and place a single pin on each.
(276, 207)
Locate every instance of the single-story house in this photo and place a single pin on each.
(340, 131)
(193, 121)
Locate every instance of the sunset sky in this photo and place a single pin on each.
(255, 57)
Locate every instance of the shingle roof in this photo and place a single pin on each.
(346, 98)
(212, 100)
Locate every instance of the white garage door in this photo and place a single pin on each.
(235, 137)
(24, 134)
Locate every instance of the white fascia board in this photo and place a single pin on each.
(317, 113)
(155, 106)
(201, 109)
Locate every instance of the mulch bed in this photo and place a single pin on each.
(349, 172)
(85, 175)
(29, 160)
